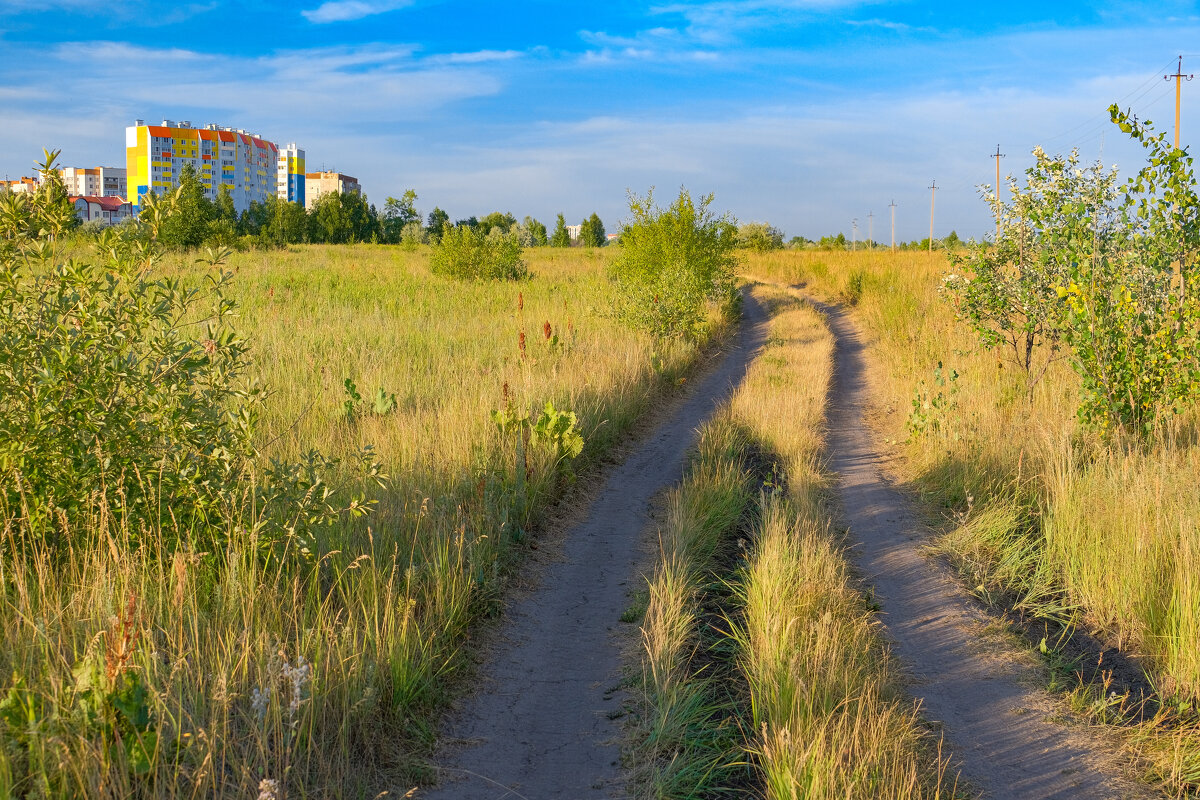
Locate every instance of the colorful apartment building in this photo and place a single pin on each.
(155, 156)
(95, 181)
(289, 178)
(319, 183)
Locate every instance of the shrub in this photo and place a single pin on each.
(672, 262)
(126, 396)
(760, 237)
(466, 253)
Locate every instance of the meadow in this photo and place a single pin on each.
(1042, 515)
(287, 676)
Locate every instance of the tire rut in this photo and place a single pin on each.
(541, 725)
(995, 723)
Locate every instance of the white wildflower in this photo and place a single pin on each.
(259, 700)
(268, 789)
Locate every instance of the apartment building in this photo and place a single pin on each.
(95, 181)
(289, 177)
(155, 156)
(319, 183)
(21, 185)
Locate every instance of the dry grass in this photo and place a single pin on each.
(324, 678)
(818, 707)
(1053, 520)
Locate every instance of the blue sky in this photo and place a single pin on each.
(804, 113)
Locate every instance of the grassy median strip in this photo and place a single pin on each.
(816, 704)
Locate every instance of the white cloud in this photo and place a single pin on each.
(346, 10)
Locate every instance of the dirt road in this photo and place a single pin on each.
(540, 727)
(995, 723)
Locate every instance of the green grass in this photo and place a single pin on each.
(356, 653)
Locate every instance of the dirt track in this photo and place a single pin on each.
(540, 726)
(996, 725)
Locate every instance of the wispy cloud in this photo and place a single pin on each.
(346, 10)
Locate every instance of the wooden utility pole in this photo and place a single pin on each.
(1179, 79)
(998, 155)
(854, 234)
(893, 207)
(870, 230)
(932, 200)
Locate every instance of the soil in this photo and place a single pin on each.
(1008, 738)
(543, 723)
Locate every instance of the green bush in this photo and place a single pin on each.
(466, 253)
(127, 397)
(673, 261)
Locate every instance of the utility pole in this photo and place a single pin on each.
(854, 234)
(932, 200)
(1179, 79)
(871, 229)
(998, 155)
(893, 207)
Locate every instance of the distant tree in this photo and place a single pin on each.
(223, 208)
(253, 219)
(760, 237)
(504, 222)
(800, 241)
(591, 232)
(186, 224)
(286, 223)
(833, 242)
(436, 224)
(342, 217)
(469, 222)
(397, 214)
(537, 230)
(561, 237)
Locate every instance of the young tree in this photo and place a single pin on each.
(536, 230)
(397, 214)
(186, 225)
(591, 232)
(561, 237)
(436, 223)
(673, 261)
(504, 222)
(760, 237)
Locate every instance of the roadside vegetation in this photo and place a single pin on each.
(253, 505)
(763, 669)
(1043, 393)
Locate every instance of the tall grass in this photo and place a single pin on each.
(818, 705)
(1054, 521)
(322, 679)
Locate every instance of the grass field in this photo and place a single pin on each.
(324, 679)
(1050, 519)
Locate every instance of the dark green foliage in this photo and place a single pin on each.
(436, 224)
(673, 261)
(503, 222)
(561, 237)
(398, 213)
(465, 252)
(591, 232)
(186, 224)
(342, 218)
